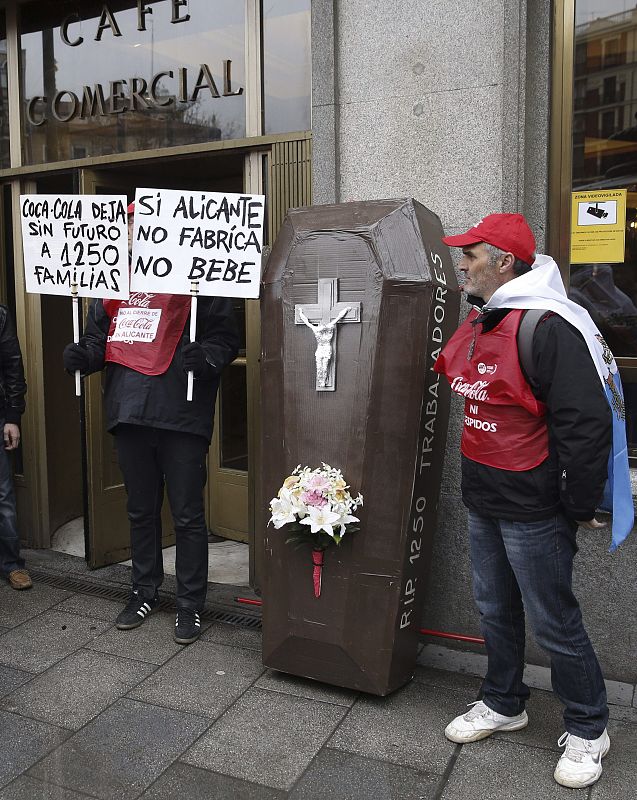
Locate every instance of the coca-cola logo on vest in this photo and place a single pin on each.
(473, 391)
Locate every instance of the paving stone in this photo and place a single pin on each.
(623, 714)
(233, 636)
(10, 679)
(18, 607)
(25, 788)
(619, 693)
(191, 783)
(204, 678)
(492, 769)
(334, 773)
(546, 723)
(620, 765)
(89, 606)
(445, 659)
(405, 728)
(266, 737)
(121, 752)
(24, 741)
(301, 687)
(40, 642)
(64, 564)
(460, 681)
(77, 688)
(535, 676)
(151, 642)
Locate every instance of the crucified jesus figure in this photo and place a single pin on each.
(324, 333)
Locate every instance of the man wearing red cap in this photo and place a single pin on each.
(161, 437)
(534, 466)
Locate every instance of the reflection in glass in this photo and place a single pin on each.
(614, 312)
(630, 404)
(286, 65)
(239, 308)
(113, 88)
(605, 157)
(5, 157)
(234, 418)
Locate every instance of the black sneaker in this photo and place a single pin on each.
(187, 626)
(135, 612)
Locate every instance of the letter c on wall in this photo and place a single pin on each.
(64, 30)
(31, 109)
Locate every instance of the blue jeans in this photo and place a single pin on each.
(528, 566)
(9, 537)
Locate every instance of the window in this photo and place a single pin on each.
(5, 158)
(604, 153)
(103, 78)
(286, 66)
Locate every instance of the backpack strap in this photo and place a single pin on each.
(528, 324)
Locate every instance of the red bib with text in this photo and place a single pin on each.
(504, 423)
(145, 330)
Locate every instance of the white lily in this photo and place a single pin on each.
(320, 519)
(291, 500)
(282, 512)
(344, 520)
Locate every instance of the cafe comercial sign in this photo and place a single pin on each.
(131, 93)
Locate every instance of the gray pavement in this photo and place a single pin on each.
(87, 711)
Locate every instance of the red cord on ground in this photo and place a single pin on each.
(461, 637)
(248, 601)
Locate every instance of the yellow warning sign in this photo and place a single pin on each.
(598, 227)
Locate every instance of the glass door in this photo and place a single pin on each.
(227, 488)
(228, 461)
(603, 167)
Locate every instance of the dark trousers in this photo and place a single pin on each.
(149, 458)
(9, 538)
(527, 567)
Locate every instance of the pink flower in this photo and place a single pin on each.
(315, 499)
(319, 483)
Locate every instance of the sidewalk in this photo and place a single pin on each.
(87, 711)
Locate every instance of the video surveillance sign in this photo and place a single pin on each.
(597, 213)
(598, 226)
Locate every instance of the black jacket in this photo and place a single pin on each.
(579, 421)
(159, 401)
(12, 384)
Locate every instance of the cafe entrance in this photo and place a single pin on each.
(82, 477)
(227, 489)
(103, 98)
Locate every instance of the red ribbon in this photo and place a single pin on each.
(317, 560)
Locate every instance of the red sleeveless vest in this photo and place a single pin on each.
(504, 424)
(145, 330)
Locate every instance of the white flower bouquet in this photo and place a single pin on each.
(317, 506)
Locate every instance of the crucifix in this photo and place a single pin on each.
(322, 319)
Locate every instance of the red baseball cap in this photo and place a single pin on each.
(508, 232)
(131, 208)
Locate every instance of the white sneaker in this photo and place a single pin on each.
(481, 722)
(581, 762)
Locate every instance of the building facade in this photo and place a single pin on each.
(471, 108)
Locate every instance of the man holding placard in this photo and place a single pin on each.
(12, 391)
(162, 437)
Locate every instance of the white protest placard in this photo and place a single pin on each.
(75, 241)
(213, 239)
